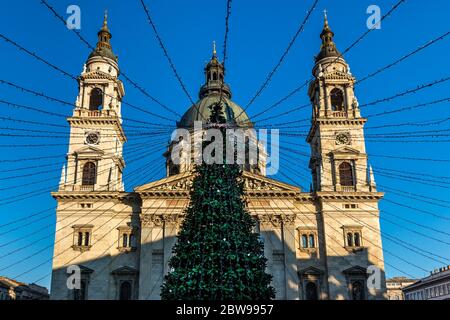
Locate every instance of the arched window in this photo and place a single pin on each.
(337, 100)
(80, 238)
(349, 239)
(346, 174)
(125, 290)
(125, 240)
(357, 290)
(86, 239)
(304, 241)
(311, 291)
(88, 174)
(214, 75)
(357, 239)
(311, 241)
(96, 99)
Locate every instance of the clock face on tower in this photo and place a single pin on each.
(92, 138)
(342, 138)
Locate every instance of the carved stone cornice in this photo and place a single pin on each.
(98, 121)
(276, 220)
(339, 75)
(356, 195)
(125, 197)
(333, 122)
(97, 75)
(159, 220)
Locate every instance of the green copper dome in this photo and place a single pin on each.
(201, 112)
(103, 52)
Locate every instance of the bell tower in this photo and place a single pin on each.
(338, 155)
(95, 159)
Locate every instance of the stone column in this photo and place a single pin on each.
(151, 257)
(145, 266)
(288, 227)
(157, 265)
(265, 231)
(323, 104)
(170, 236)
(348, 102)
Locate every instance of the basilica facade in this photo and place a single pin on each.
(320, 243)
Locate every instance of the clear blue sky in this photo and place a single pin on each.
(259, 33)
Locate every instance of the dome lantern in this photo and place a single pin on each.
(103, 48)
(328, 47)
(214, 78)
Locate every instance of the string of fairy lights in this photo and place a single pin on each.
(143, 133)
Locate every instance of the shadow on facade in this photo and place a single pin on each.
(297, 274)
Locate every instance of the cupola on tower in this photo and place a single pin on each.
(95, 160)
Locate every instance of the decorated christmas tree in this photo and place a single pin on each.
(217, 255)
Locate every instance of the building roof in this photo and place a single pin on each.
(21, 286)
(400, 280)
(435, 276)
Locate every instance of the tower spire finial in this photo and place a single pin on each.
(103, 47)
(328, 47)
(325, 20)
(105, 20)
(214, 49)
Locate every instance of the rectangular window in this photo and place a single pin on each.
(350, 206)
(308, 238)
(353, 237)
(127, 239)
(82, 237)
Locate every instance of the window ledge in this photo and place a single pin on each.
(354, 248)
(126, 249)
(81, 248)
(308, 250)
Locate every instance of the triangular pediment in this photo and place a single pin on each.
(355, 270)
(89, 150)
(311, 271)
(256, 182)
(126, 270)
(183, 182)
(96, 75)
(85, 270)
(345, 150)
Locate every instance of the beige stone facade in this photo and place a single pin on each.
(395, 287)
(318, 243)
(436, 286)
(11, 289)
